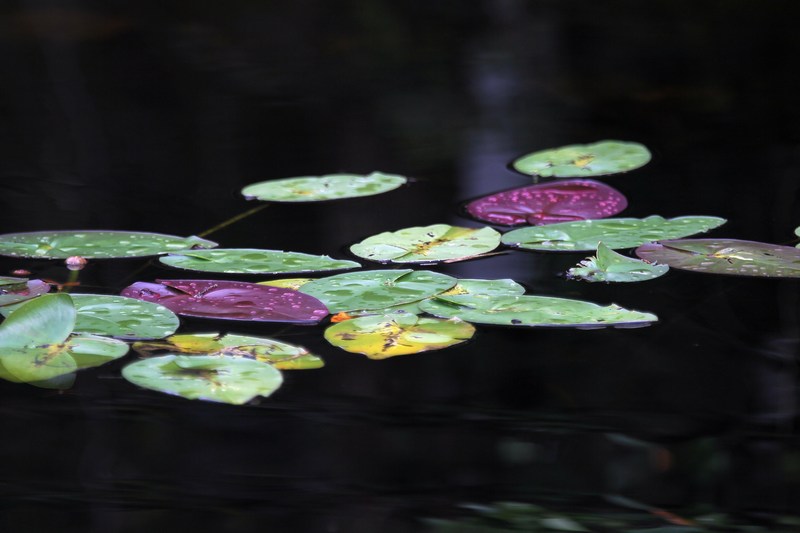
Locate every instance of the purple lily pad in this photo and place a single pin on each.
(230, 300)
(725, 256)
(548, 203)
(15, 294)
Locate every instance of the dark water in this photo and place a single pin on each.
(152, 116)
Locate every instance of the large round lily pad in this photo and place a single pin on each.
(382, 336)
(92, 244)
(376, 289)
(725, 256)
(216, 378)
(318, 188)
(427, 244)
(530, 310)
(254, 261)
(549, 203)
(584, 160)
(230, 300)
(615, 233)
(610, 266)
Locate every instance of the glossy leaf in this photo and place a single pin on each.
(610, 266)
(230, 300)
(13, 293)
(382, 336)
(124, 318)
(427, 244)
(254, 261)
(281, 355)
(725, 256)
(287, 283)
(216, 378)
(549, 203)
(12, 284)
(584, 160)
(534, 311)
(615, 233)
(319, 188)
(376, 289)
(48, 319)
(95, 244)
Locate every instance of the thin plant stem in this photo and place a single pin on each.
(232, 220)
(72, 280)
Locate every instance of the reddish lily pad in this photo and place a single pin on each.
(725, 256)
(548, 203)
(230, 300)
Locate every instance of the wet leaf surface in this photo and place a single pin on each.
(287, 283)
(725, 256)
(254, 261)
(230, 300)
(584, 160)
(616, 233)
(319, 188)
(427, 244)
(549, 203)
(12, 293)
(610, 266)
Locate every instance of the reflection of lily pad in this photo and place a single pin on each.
(12, 293)
(533, 311)
(427, 244)
(382, 336)
(254, 261)
(317, 188)
(584, 160)
(95, 244)
(217, 378)
(614, 232)
(725, 256)
(376, 289)
(281, 355)
(549, 203)
(610, 266)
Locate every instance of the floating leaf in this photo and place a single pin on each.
(382, 336)
(614, 232)
(217, 378)
(12, 284)
(287, 283)
(610, 266)
(427, 244)
(376, 289)
(94, 244)
(253, 261)
(486, 288)
(281, 355)
(725, 256)
(797, 232)
(584, 160)
(549, 203)
(533, 311)
(230, 300)
(318, 188)
(12, 293)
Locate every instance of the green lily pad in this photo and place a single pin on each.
(725, 256)
(427, 244)
(615, 233)
(8, 284)
(95, 244)
(382, 336)
(610, 266)
(13, 293)
(319, 188)
(584, 160)
(216, 378)
(797, 232)
(254, 261)
(281, 355)
(376, 289)
(287, 283)
(534, 311)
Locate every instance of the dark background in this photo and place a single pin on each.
(151, 116)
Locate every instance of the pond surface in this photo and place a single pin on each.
(153, 118)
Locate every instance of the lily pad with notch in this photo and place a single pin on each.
(610, 266)
(584, 160)
(322, 188)
(254, 261)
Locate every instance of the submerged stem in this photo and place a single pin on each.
(232, 220)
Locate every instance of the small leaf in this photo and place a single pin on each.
(610, 266)
(254, 261)
(584, 160)
(319, 188)
(91, 350)
(14, 293)
(287, 283)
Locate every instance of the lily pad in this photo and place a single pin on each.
(530, 310)
(376, 289)
(319, 188)
(216, 378)
(12, 293)
(92, 244)
(281, 355)
(427, 244)
(584, 160)
(12, 284)
(382, 336)
(230, 300)
(725, 256)
(254, 261)
(549, 203)
(610, 266)
(287, 283)
(615, 233)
